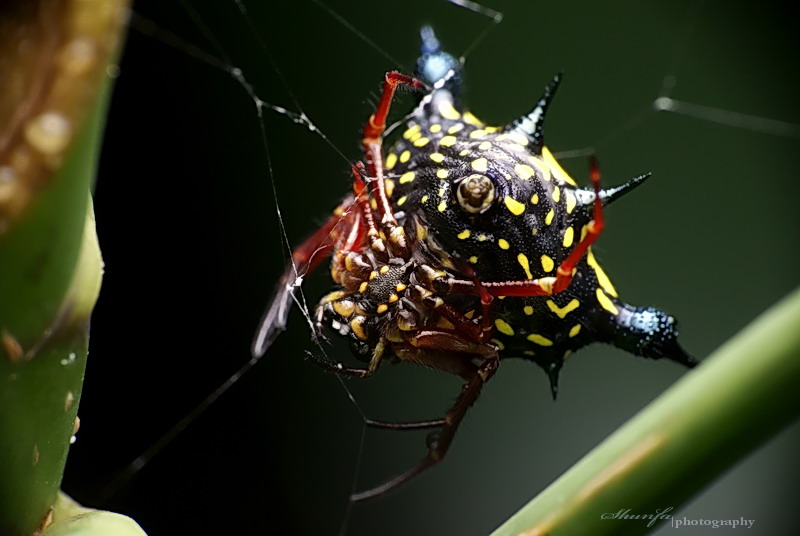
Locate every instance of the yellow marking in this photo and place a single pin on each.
(436, 127)
(556, 194)
(547, 263)
(373, 203)
(535, 199)
(393, 298)
(480, 164)
(602, 278)
(447, 141)
(344, 308)
(464, 234)
(473, 259)
(389, 187)
(400, 287)
(566, 355)
(363, 287)
(441, 191)
(503, 327)
(404, 156)
(357, 325)
(437, 157)
(524, 171)
(584, 230)
(518, 137)
(575, 330)
(528, 310)
(382, 308)
(503, 244)
(384, 269)
(447, 111)
(571, 202)
(500, 345)
(492, 129)
(558, 171)
(606, 302)
(482, 237)
(485, 146)
(421, 142)
(412, 132)
(401, 201)
(523, 261)
(477, 134)
(472, 120)
(547, 219)
(528, 352)
(441, 173)
(469, 314)
(535, 338)
(515, 207)
(569, 236)
(465, 152)
(407, 177)
(541, 166)
(458, 127)
(562, 312)
(442, 206)
(515, 147)
(391, 160)
(424, 198)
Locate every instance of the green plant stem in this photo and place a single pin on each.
(740, 397)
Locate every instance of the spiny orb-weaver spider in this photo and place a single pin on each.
(461, 245)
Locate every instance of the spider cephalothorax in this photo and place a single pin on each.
(464, 244)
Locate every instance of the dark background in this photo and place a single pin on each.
(187, 222)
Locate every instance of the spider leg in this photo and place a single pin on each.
(305, 258)
(439, 447)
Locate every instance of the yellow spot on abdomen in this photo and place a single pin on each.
(524, 171)
(391, 160)
(424, 198)
(549, 218)
(447, 111)
(407, 177)
(480, 164)
(437, 157)
(472, 120)
(503, 243)
(441, 173)
(436, 127)
(523, 261)
(515, 207)
(557, 170)
(574, 330)
(412, 132)
(473, 259)
(458, 127)
(404, 156)
(528, 310)
(463, 235)
(442, 206)
(401, 201)
(571, 201)
(503, 327)
(561, 312)
(569, 236)
(606, 302)
(535, 338)
(547, 263)
(421, 142)
(535, 199)
(602, 278)
(447, 141)
(556, 194)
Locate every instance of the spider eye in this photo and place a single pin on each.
(475, 193)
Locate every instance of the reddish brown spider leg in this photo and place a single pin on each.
(372, 144)
(545, 286)
(469, 394)
(305, 258)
